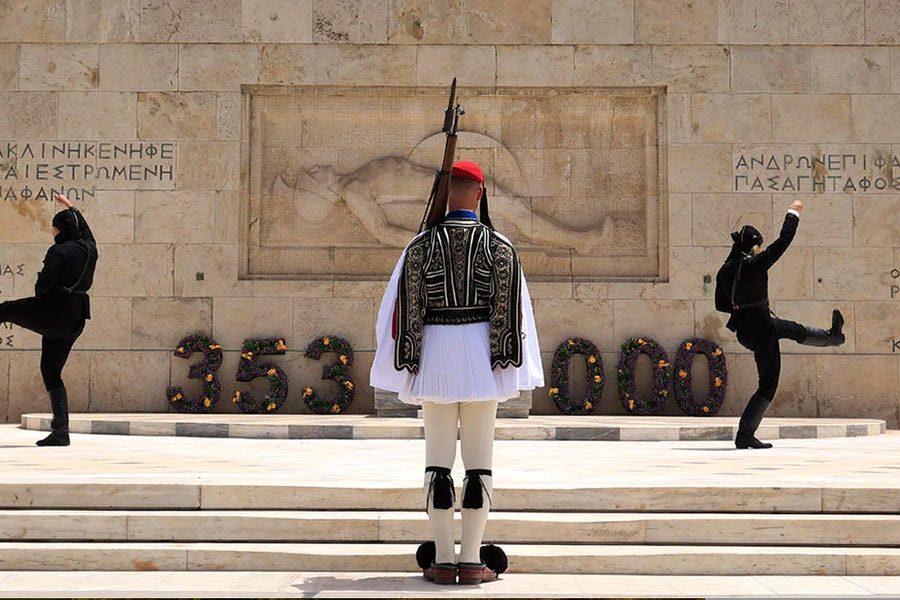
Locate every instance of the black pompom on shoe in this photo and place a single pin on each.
(494, 558)
(425, 555)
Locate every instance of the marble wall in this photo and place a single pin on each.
(136, 109)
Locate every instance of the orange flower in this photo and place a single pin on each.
(631, 404)
(571, 342)
(209, 377)
(280, 346)
(553, 391)
(343, 359)
(206, 402)
(642, 342)
(592, 359)
(718, 381)
(597, 378)
(588, 406)
(663, 364)
(688, 346)
(706, 409)
(682, 373)
(335, 409)
(326, 341)
(718, 352)
(307, 392)
(349, 385)
(180, 350)
(271, 372)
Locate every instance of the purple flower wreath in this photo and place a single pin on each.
(559, 377)
(249, 369)
(659, 362)
(718, 377)
(204, 370)
(335, 370)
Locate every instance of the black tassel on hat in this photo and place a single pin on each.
(440, 491)
(484, 214)
(473, 487)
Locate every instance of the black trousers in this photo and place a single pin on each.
(763, 341)
(58, 334)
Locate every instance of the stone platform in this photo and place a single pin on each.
(362, 427)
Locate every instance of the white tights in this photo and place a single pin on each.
(476, 434)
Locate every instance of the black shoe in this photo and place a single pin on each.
(744, 441)
(57, 437)
(837, 325)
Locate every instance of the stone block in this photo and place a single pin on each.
(715, 216)
(675, 22)
(509, 22)
(29, 115)
(4, 387)
(877, 326)
(811, 117)
(427, 22)
(835, 22)
(846, 69)
(377, 65)
(9, 67)
(59, 67)
(854, 386)
(388, 405)
(190, 21)
(228, 116)
(612, 65)
(827, 219)
(228, 216)
(299, 64)
(353, 21)
(753, 21)
(209, 271)
(793, 276)
(174, 217)
(217, 67)
(876, 221)
(679, 118)
(744, 118)
(874, 118)
(176, 116)
(26, 222)
(535, 65)
(111, 216)
(237, 319)
(853, 273)
(601, 22)
(681, 228)
(26, 388)
(134, 270)
(771, 69)
(666, 321)
(700, 168)
(560, 319)
(350, 318)
(97, 115)
(33, 21)
(102, 20)
(277, 20)
(209, 165)
(692, 69)
(160, 323)
(129, 381)
(882, 22)
(138, 67)
(473, 65)
(110, 327)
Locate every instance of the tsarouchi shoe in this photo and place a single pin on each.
(475, 573)
(442, 573)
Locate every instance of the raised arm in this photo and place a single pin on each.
(773, 251)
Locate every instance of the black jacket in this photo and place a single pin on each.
(751, 293)
(68, 273)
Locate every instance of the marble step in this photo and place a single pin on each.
(535, 427)
(158, 493)
(411, 527)
(570, 559)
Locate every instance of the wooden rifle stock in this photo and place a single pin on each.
(440, 190)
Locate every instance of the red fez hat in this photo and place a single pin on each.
(466, 169)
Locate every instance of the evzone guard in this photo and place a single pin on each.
(742, 290)
(456, 335)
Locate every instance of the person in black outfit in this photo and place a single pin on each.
(742, 289)
(59, 307)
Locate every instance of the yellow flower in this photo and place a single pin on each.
(642, 342)
(663, 392)
(705, 409)
(271, 372)
(343, 359)
(682, 373)
(174, 398)
(718, 382)
(688, 346)
(349, 385)
(718, 352)
(663, 364)
(215, 347)
(247, 355)
(280, 346)
(180, 349)
(335, 409)
(209, 377)
(631, 404)
(326, 341)
(271, 406)
(553, 391)
(206, 402)
(588, 406)
(307, 392)
(592, 359)
(597, 378)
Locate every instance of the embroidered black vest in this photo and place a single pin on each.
(457, 272)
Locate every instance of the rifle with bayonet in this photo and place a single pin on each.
(437, 200)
